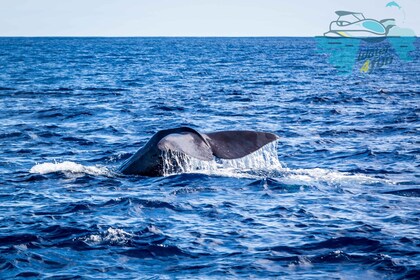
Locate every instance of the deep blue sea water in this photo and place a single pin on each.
(344, 204)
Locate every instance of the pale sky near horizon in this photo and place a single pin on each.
(190, 17)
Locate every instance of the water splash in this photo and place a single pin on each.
(264, 159)
(69, 168)
(320, 176)
(263, 163)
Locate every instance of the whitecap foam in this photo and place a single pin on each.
(69, 167)
(110, 236)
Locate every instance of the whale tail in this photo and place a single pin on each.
(223, 144)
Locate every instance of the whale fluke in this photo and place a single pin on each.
(237, 144)
(148, 161)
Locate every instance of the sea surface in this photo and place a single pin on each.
(338, 199)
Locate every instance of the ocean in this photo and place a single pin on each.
(338, 199)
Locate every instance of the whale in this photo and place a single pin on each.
(233, 144)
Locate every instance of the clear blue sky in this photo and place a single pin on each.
(190, 17)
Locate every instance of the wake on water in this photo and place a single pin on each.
(263, 163)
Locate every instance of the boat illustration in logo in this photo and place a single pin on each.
(355, 25)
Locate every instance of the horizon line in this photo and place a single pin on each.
(190, 36)
(149, 36)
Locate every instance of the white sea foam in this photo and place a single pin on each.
(110, 236)
(319, 175)
(69, 167)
